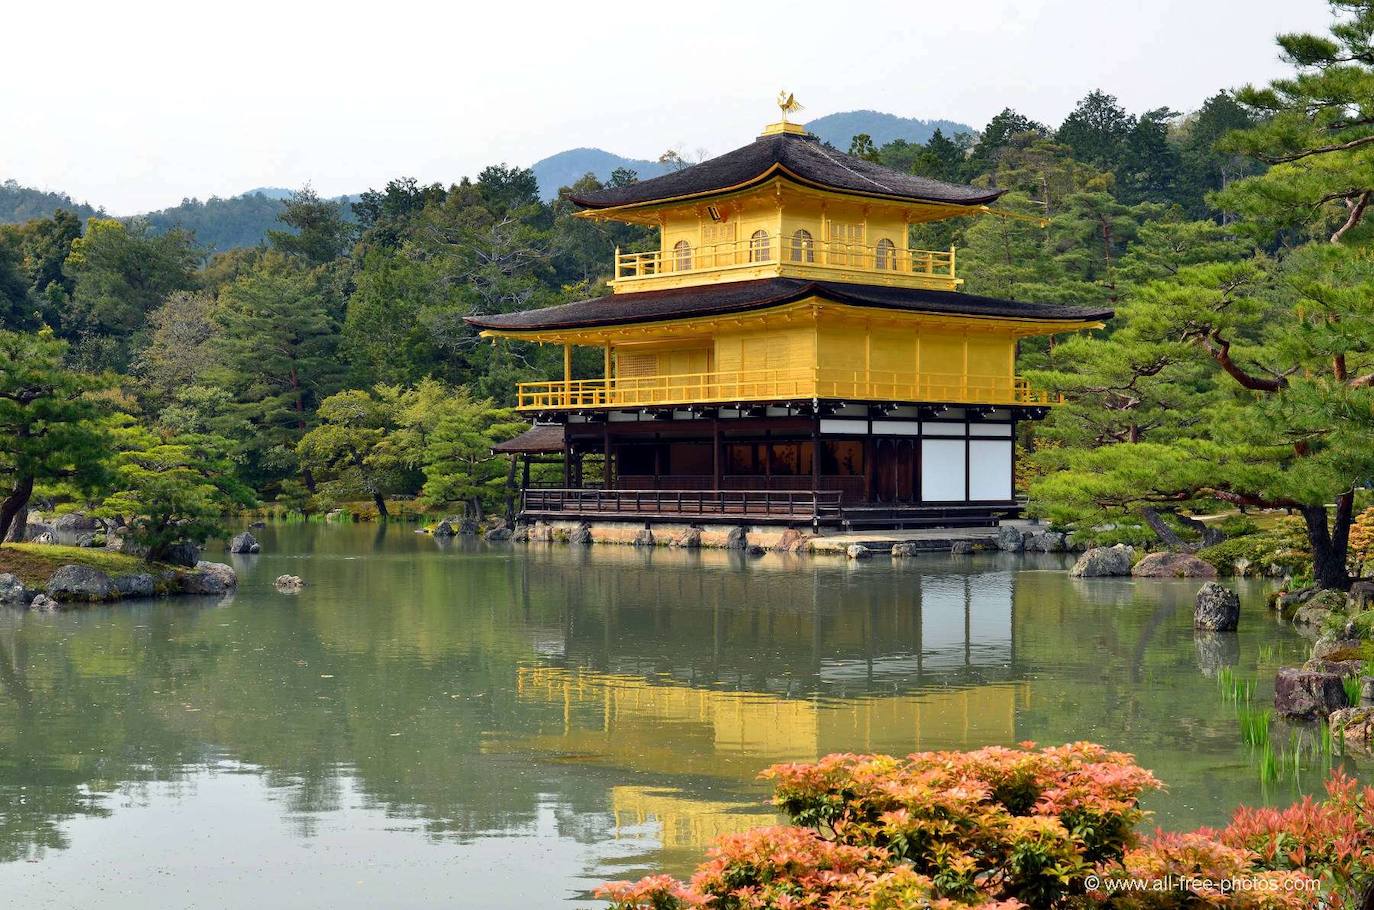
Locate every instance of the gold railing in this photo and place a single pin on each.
(781, 384)
(881, 258)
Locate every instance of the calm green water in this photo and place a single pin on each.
(492, 726)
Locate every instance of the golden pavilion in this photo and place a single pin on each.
(783, 356)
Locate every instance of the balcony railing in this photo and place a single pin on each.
(883, 259)
(781, 384)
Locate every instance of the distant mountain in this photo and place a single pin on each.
(566, 168)
(839, 129)
(223, 224)
(21, 203)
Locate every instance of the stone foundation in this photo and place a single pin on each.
(665, 533)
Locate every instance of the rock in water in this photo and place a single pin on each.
(11, 591)
(1307, 694)
(1010, 539)
(961, 547)
(288, 584)
(787, 541)
(689, 539)
(78, 583)
(1103, 562)
(244, 543)
(498, 534)
(644, 538)
(443, 529)
(1173, 565)
(44, 604)
(581, 535)
(858, 551)
(737, 539)
(905, 548)
(1218, 608)
(138, 584)
(184, 554)
(1355, 726)
(226, 574)
(1047, 542)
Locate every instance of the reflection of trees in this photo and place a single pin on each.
(417, 671)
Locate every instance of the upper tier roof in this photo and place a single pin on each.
(801, 158)
(743, 296)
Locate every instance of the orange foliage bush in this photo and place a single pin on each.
(1001, 829)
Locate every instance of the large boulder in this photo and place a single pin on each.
(498, 534)
(689, 539)
(1173, 565)
(12, 592)
(858, 551)
(1307, 694)
(1320, 607)
(225, 574)
(1218, 608)
(1334, 647)
(788, 541)
(581, 535)
(80, 583)
(1011, 539)
(644, 538)
(1103, 562)
(1047, 542)
(1355, 726)
(1342, 668)
(444, 529)
(244, 543)
(135, 584)
(468, 527)
(183, 554)
(737, 539)
(1362, 595)
(905, 548)
(200, 581)
(961, 547)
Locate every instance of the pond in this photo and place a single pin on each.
(464, 724)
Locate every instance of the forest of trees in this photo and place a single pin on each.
(332, 362)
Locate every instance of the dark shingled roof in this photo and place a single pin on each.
(742, 296)
(804, 157)
(537, 440)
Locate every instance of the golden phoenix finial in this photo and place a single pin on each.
(788, 104)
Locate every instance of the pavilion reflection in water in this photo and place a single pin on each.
(942, 681)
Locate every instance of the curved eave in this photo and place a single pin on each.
(594, 210)
(593, 333)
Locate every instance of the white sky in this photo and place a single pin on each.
(134, 105)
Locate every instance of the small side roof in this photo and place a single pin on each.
(800, 158)
(540, 439)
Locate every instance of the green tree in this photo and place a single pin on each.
(1096, 130)
(351, 450)
(16, 310)
(276, 352)
(122, 272)
(1316, 130)
(50, 427)
(171, 490)
(458, 462)
(862, 146)
(178, 349)
(320, 231)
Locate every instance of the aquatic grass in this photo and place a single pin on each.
(1254, 724)
(1233, 688)
(1352, 686)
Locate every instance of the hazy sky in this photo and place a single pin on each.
(135, 105)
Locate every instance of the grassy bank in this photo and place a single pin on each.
(34, 564)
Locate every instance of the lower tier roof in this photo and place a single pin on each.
(744, 296)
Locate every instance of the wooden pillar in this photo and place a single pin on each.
(869, 457)
(715, 452)
(567, 465)
(510, 489)
(606, 457)
(525, 473)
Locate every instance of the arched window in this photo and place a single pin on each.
(682, 256)
(760, 250)
(803, 249)
(885, 254)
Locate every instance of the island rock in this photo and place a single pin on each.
(905, 548)
(1010, 539)
(858, 551)
(1103, 562)
(1218, 608)
(44, 604)
(12, 592)
(737, 539)
(135, 584)
(244, 543)
(288, 584)
(1307, 694)
(1173, 565)
(80, 583)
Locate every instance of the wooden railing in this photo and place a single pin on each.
(769, 503)
(782, 384)
(788, 250)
